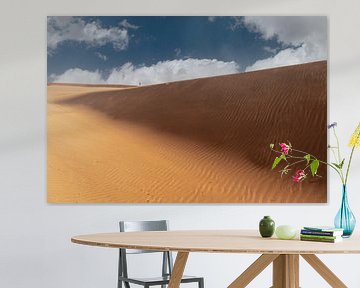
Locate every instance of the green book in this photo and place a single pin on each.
(324, 240)
(319, 236)
(323, 228)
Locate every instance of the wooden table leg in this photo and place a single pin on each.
(293, 262)
(178, 269)
(324, 271)
(253, 270)
(286, 271)
(279, 271)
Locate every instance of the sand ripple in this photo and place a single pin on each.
(203, 140)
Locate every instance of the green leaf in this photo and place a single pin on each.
(307, 157)
(336, 165)
(314, 167)
(342, 163)
(339, 166)
(271, 146)
(276, 162)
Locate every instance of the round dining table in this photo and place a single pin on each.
(283, 254)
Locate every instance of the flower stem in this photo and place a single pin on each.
(323, 162)
(340, 159)
(350, 159)
(348, 167)
(333, 152)
(337, 144)
(313, 157)
(296, 162)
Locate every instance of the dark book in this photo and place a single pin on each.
(321, 233)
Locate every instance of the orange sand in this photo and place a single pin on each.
(203, 140)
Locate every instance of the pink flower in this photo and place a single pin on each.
(285, 148)
(299, 176)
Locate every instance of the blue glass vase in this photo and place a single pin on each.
(345, 219)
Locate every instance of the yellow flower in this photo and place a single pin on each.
(355, 138)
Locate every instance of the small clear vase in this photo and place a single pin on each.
(345, 219)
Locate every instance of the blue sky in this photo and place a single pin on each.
(147, 50)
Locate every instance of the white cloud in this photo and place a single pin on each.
(270, 50)
(76, 29)
(125, 23)
(160, 72)
(290, 29)
(77, 75)
(101, 56)
(285, 57)
(307, 36)
(236, 23)
(177, 51)
(168, 71)
(212, 18)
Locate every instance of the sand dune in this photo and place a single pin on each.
(203, 140)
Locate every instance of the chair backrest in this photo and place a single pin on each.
(138, 226)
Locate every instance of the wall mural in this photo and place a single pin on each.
(182, 109)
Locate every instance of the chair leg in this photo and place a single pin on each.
(119, 270)
(201, 283)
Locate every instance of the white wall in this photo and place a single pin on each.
(35, 248)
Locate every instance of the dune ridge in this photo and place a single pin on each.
(203, 140)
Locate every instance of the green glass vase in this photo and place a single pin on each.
(266, 227)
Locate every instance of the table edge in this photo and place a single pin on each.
(203, 250)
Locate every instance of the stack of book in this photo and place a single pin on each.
(321, 234)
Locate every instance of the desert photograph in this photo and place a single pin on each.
(183, 109)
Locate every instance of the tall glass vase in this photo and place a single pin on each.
(345, 219)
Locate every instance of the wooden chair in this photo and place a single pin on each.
(167, 262)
